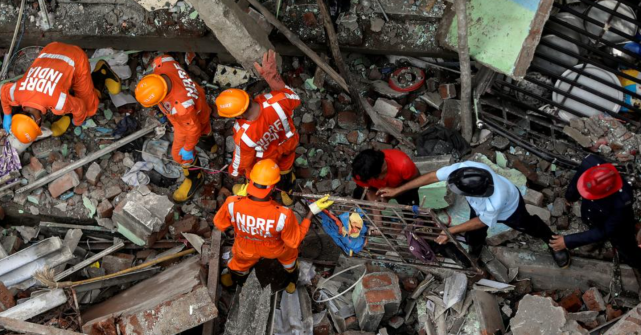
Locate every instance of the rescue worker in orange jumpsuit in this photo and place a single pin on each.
(264, 127)
(263, 228)
(184, 103)
(45, 87)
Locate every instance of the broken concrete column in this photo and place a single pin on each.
(377, 297)
(236, 30)
(169, 303)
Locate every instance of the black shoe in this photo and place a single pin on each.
(562, 258)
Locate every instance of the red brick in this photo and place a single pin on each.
(380, 296)
(187, 225)
(307, 128)
(328, 108)
(6, 298)
(310, 19)
(376, 281)
(571, 303)
(594, 300)
(410, 284)
(375, 309)
(63, 184)
(203, 227)
(447, 91)
(348, 120)
(611, 313)
(105, 209)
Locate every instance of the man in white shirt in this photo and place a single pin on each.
(492, 198)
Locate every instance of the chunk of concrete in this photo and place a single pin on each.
(387, 107)
(143, 216)
(541, 212)
(377, 297)
(236, 31)
(539, 316)
(426, 164)
(251, 311)
(534, 198)
(576, 135)
(487, 309)
(169, 303)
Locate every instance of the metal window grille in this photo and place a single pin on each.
(386, 240)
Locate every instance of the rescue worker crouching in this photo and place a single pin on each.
(264, 126)
(184, 103)
(263, 228)
(46, 86)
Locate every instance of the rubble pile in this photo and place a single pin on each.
(605, 135)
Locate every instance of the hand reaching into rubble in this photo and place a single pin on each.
(442, 238)
(557, 243)
(269, 71)
(388, 192)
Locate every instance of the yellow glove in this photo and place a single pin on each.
(320, 205)
(240, 190)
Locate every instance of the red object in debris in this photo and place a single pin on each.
(599, 182)
(407, 79)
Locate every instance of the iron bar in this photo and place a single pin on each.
(586, 18)
(382, 234)
(542, 120)
(612, 12)
(582, 31)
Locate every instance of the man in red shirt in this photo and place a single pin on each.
(376, 169)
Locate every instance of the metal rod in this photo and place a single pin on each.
(382, 234)
(89, 261)
(88, 159)
(586, 18)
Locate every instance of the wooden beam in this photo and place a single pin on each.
(467, 121)
(340, 63)
(211, 327)
(295, 40)
(90, 158)
(32, 328)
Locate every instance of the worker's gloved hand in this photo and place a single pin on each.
(242, 191)
(187, 155)
(6, 123)
(269, 71)
(320, 205)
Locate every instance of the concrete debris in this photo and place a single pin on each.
(538, 315)
(143, 216)
(251, 310)
(376, 298)
(39, 303)
(177, 298)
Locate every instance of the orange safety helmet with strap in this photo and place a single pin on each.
(263, 177)
(25, 128)
(599, 182)
(232, 102)
(151, 90)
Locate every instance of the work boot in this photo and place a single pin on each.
(233, 278)
(60, 127)
(292, 278)
(562, 258)
(194, 179)
(103, 76)
(286, 185)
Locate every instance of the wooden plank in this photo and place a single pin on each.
(32, 328)
(210, 327)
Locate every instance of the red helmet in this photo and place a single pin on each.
(599, 182)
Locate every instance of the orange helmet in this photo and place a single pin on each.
(24, 128)
(264, 176)
(151, 90)
(232, 102)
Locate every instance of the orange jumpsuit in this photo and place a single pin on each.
(272, 135)
(263, 229)
(45, 86)
(185, 106)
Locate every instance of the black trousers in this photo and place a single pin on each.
(520, 220)
(626, 244)
(408, 198)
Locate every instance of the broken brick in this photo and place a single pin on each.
(6, 298)
(328, 108)
(310, 19)
(594, 300)
(387, 107)
(105, 209)
(187, 225)
(34, 170)
(63, 184)
(526, 169)
(93, 173)
(377, 297)
(447, 91)
(112, 191)
(572, 302)
(611, 313)
(348, 120)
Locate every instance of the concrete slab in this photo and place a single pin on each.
(545, 275)
(251, 309)
(169, 303)
(487, 309)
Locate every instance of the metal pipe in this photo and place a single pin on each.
(586, 18)
(89, 261)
